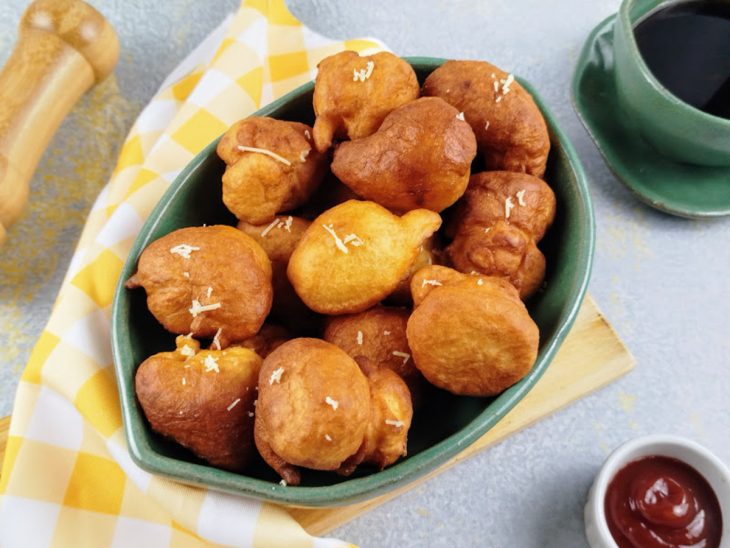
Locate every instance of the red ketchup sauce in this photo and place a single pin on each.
(662, 502)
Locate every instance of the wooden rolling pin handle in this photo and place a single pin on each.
(64, 47)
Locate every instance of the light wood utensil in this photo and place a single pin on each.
(64, 47)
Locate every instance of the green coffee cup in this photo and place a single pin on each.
(675, 128)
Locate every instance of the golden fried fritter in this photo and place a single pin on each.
(355, 254)
(270, 337)
(517, 198)
(270, 167)
(470, 335)
(499, 250)
(279, 238)
(378, 334)
(391, 412)
(313, 408)
(208, 281)
(353, 94)
(509, 128)
(419, 158)
(202, 399)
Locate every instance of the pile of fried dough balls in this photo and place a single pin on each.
(336, 304)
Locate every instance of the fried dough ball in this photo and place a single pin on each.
(353, 94)
(355, 254)
(208, 281)
(497, 224)
(379, 335)
(508, 125)
(269, 338)
(313, 408)
(500, 250)
(470, 335)
(270, 167)
(419, 158)
(203, 400)
(518, 198)
(279, 238)
(391, 412)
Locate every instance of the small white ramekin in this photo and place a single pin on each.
(688, 451)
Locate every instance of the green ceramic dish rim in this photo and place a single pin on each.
(367, 487)
(626, 28)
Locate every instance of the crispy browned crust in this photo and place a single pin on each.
(257, 186)
(419, 158)
(509, 128)
(294, 420)
(348, 108)
(231, 264)
(279, 241)
(382, 331)
(504, 251)
(488, 195)
(332, 281)
(209, 412)
(471, 335)
(391, 413)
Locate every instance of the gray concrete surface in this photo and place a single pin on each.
(661, 281)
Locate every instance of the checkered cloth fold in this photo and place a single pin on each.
(67, 479)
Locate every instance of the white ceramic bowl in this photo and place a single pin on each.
(699, 458)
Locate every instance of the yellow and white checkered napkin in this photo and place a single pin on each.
(67, 479)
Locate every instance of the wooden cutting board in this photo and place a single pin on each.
(591, 356)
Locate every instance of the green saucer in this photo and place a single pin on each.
(679, 189)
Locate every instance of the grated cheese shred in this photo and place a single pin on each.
(404, 355)
(340, 245)
(198, 308)
(333, 403)
(364, 73)
(460, 116)
(431, 282)
(211, 364)
(216, 339)
(521, 197)
(187, 351)
(394, 423)
(234, 403)
(269, 228)
(266, 152)
(184, 250)
(276, 376)
(359, 338)
(508, 206)
(353, 239)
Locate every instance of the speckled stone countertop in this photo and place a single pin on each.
(661, 281)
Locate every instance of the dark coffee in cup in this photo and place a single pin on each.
(686, 45)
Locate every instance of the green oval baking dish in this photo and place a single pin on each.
(445, 426)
